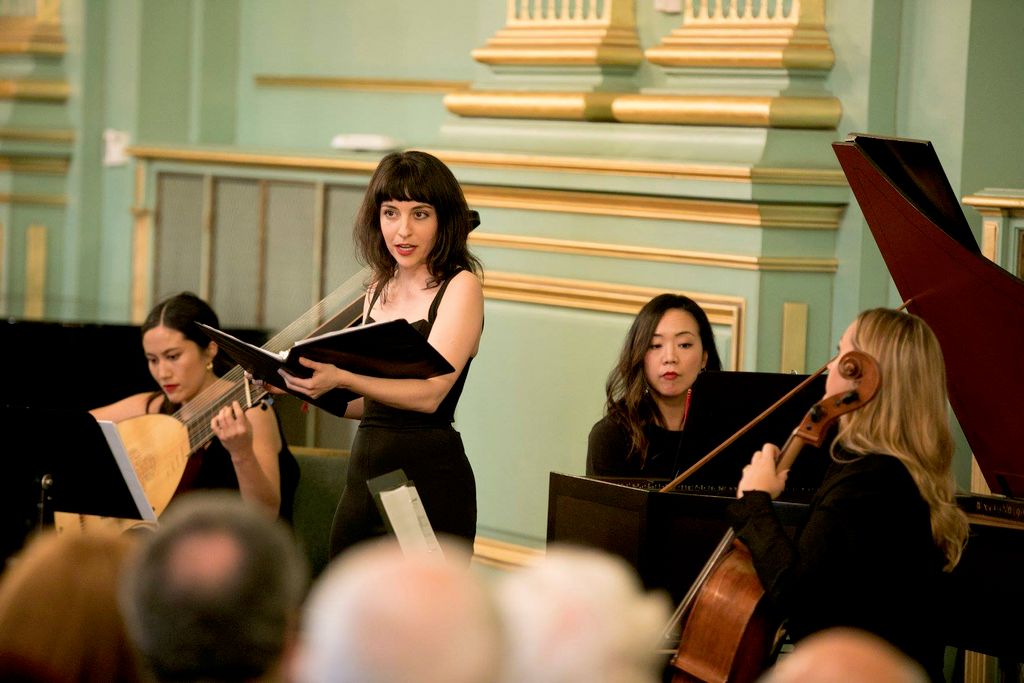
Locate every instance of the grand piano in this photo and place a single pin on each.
(976, 310)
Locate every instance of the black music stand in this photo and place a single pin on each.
(59, 460)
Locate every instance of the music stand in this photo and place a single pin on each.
(63, 461)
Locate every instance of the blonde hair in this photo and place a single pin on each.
(58, 608)
(908, 418)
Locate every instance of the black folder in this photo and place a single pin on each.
(392, 349)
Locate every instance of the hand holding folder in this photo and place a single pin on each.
(391, 349)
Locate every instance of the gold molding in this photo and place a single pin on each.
(40, 34)
(794, 337)
(565, 55)
(750, 214)
(646, 169)
(206, 256)
(729, 110)
(238, 158)
(709, 110)
(38, 134)
(31, 46)
(319, 452)
(3, 270)
(34, 164)
(25, 198)
(501, 555)
(979, 667)
(551, 34)
(598, 296)
(757, 37)
(27, 89)
(318, 263)
(406, 85)
(563, 106)
(995, 205)
(262, 231)
(141, 248)
(638, 253)
(978, 483)
(550, 164)
(35, 272)
(611, 298)
(990, 240)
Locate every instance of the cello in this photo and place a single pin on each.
(727, 630)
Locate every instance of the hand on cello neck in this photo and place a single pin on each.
(761, 475)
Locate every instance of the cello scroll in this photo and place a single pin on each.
(856, 366)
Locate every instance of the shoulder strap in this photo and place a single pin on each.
(373, 300)
(436, 303)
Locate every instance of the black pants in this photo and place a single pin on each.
(432, 458)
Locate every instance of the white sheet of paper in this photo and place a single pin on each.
(409, 520)
(124, 463)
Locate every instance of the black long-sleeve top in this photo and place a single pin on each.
(864, 558)
(609, 446)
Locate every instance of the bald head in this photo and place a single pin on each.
(843, 655)
(207, 561)
(377, 616)
(214, 594)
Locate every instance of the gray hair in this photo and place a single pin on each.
(377, 616)
(580, 614)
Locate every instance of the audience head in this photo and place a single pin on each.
(908, 417)
(182, 358)
(420, 177)
(581, 615)
(59, 619)
(844, 655)
(214, 593)
(378, 616)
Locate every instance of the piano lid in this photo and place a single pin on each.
(975, 307)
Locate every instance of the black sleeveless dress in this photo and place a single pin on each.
(423, 445)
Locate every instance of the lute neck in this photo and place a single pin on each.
(337, 310)
(197, 414)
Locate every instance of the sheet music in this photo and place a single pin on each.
(409, 520)
(117, 447)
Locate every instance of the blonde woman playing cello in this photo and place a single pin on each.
(884, 526)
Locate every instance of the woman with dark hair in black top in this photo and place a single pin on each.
(249, 453)
(412, 231)
(648, 390)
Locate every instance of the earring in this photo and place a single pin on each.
(703, 368)
(209, 366)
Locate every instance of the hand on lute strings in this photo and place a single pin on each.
(233, 428)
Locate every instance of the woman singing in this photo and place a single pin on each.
(411, 230)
